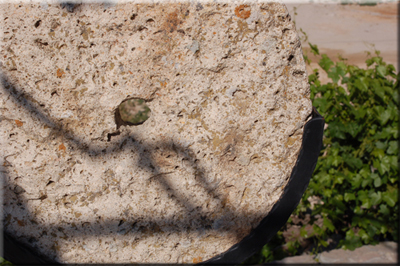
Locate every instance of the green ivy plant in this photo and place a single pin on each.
(4, 262)
(356, 177)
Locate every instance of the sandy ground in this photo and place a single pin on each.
(348, 30)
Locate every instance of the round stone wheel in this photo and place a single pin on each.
(227, 98)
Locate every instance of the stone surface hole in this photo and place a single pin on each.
(37, 24)
(132, 112)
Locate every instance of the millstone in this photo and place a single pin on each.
(228, 96)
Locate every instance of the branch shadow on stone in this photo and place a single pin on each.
(195, 220)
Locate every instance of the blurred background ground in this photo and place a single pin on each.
(348, 30)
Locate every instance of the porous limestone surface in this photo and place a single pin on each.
(228, 93)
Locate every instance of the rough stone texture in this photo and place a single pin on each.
(228, 93)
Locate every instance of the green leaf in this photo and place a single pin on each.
(361, 84)
(342, 66)
(381, 70)
(366, 182)
(360, 113)
(336, 73)
(314, 49)
(390, 197)
(384, 228)
(376, 198)
(338, 202)
(394, 111)
(303, 232)
(317, 230)
(353, 162)
(386, 133)
(384, 165)
(377, 60)
(396, 96)
(364, 236)
(384, 117)
(327, 193)
(372, 228)
(378, 153)
(312, 78)
(381, 145)
(325, 63)
(384, 209)
(358, 210)
(353, 128)
(323, 242)
(379, 109)
(369, 61)
(377, 182)
(349, 196)
(366, 203)
(361, 195)
(328, 224)
(393, 162)
(351, 241)
(377, 88)
(339, 178)
(356, 181)
(337, 130)
(365, 172)
(393, 147)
